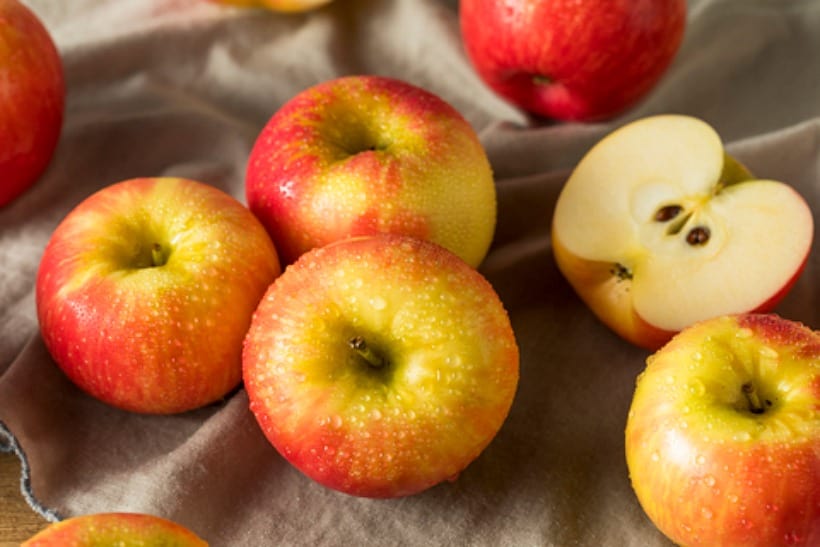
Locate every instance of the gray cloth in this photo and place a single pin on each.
(182, 87)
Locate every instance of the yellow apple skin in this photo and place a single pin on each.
(125, 529)
(723, 434)
(284, 6)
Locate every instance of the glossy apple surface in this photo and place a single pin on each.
(723, 435)
(32, 99)
(572, 59)
(360, 155)
(658, 228)
(380, 366)
(146, 289)
(115, 529)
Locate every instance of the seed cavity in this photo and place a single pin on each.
(620, 271)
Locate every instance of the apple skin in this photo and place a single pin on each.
(283, 6)
(572, 59)
(706, 468)
(32, 99)
(153, 339)
(360, 155)
(447, 386)
(114, 529)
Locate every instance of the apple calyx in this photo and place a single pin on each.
(371, 357)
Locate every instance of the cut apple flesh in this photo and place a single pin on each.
(683, 228)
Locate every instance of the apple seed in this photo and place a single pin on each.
(667, 213)
(699, 235)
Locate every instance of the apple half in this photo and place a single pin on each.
(658, 228)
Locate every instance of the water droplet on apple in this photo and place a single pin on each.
(376, 414)
(670, 380)
(742, 436)
(378, 303)
(655, 456)
(707, 513)
(766, 351)
(337, 421)
(697, 387)
(697, 356)
(744, 332)
(701, 459)
(709, 480)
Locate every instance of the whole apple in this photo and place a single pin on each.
(658, 228)
(125, 529)
(723, 435)
(32, 99)
(380, 366)
(572, 59)
(146, 289)
(360, 155)
(283, 6)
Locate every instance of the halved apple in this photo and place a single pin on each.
(658, 228)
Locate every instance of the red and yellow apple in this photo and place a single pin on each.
(110, 529)
(146, 289)
(32, 99)
(360, 155)
(284, 6)
(658, 228)
(381, 365)
(572, 59)
(723, 434)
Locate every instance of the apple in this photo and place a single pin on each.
(360, 155)
(723, 434)
(572, 59)
(145, 291)
(380, 365)
(658, 227)
(284, 6)
(115, 529)
(32, 99)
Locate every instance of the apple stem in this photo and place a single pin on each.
(373, 359)
(157, 258)
(755, 404)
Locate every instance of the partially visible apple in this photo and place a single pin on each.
(111, 529)
(380, 366)
(572, 59)
(658, 228)
(284, 6)
(146, 289)
(32, 99)
(723, 435)
(360, 155)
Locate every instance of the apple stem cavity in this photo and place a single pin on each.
(372, 358)
(753, 398)
(540, 79)
(157, 256)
